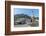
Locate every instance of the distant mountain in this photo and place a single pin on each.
(17, 16)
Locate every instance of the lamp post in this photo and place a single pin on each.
(33, 20)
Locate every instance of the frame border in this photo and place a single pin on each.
(7, 17)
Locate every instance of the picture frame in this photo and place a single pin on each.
(10, 5)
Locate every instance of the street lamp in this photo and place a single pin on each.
(33, 20)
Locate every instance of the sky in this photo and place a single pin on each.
(26, 11)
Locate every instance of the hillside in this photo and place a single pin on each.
(17, 16)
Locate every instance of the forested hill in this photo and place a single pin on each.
(17, 16)
(22, 16)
